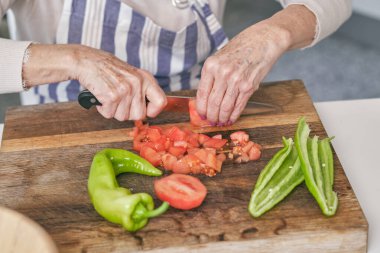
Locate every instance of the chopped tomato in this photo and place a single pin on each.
(134, 132)
(153, 134)
(202, 138)
(254, 153)
(240, 136)
(221, 157)
(177, 151)
(176, 134)
(193, 140)
(180, 144)
(195, 118)
(215, 143)
(181, 191)
(138, 123)
(150, 155)
(169, 161)
(247, 147)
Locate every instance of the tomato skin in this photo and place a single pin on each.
(215, 143)
(181, 191)
(254, 153)
(177, 151)
(150, 155)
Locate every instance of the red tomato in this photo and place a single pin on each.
(240, 136)
(177, 151)
(150, 155)
(153, 134)
(215, 143)
(138, 141)
(254, 153)
(169, 161)
(181, 191)
(202, 138)
(176, 134)
(247, 147)
(180, 144)
(195, 119)
(192, 139)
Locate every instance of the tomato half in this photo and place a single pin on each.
(180, 191)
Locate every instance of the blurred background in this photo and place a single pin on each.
(344, 66)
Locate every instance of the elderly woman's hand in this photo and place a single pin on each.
(233, 74)
(119, 87)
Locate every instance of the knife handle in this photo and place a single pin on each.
(86, 99)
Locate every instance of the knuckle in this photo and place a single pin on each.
(112, 97)
(210, 64)
(246, 87)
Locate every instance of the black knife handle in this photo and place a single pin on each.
(86, 99)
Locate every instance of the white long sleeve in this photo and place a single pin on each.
(11, 56)
(330, 15)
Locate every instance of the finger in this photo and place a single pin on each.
(107, 110)
(215, 99)
(228, 104)
(157, 99)
(203, 93)
(123, 109)
(138, 105)
(240, 104)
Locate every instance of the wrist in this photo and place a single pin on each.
(295, 25)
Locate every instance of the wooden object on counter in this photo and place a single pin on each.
(47, 151)
(22, 235)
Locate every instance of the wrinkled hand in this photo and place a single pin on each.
(233, 74)
(119, 87)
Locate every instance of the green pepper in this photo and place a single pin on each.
(317, 166)
(117, 204)
(279, 177)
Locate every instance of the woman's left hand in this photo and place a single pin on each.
(234, 73)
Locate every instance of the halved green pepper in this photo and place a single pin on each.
(317, 166)
(117, 204)
(279, 177)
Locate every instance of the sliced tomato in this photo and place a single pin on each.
(181, 191)
(176, 134)
(183, 144)
(247, 147)
(202, 138)
(192, 139)
(169, 161)
(192, 150)
(150, 155)
(177, 151)
(195, 118)
(211, 161)
(153, 134)
(215, 143)
(221, 157)
(254, 153)
(240, 136)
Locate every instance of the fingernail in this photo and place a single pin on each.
(212, 123)
(203, 117)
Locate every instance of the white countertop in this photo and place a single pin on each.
(356, 127)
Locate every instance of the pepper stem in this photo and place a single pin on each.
(158, 211)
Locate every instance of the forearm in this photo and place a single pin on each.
(49, 64)
(295, 25)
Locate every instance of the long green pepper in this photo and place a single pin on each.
(117, 204)
(317, 166)
(279, 177)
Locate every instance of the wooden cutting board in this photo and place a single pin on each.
(46, 155)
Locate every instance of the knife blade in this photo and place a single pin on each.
(181, 104)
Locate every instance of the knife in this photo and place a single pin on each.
(181, 104)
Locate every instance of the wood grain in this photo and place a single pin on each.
(44, 170)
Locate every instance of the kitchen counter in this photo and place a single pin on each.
(356, 124)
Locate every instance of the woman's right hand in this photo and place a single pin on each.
(118, 86)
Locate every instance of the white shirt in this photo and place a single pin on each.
(37, 20)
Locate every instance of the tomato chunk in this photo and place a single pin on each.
(181, 191)
(240, 136)
(150, 155)
(215, 143)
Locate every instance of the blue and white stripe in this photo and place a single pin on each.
(172, 57)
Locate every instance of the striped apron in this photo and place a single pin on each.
(172, 57)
